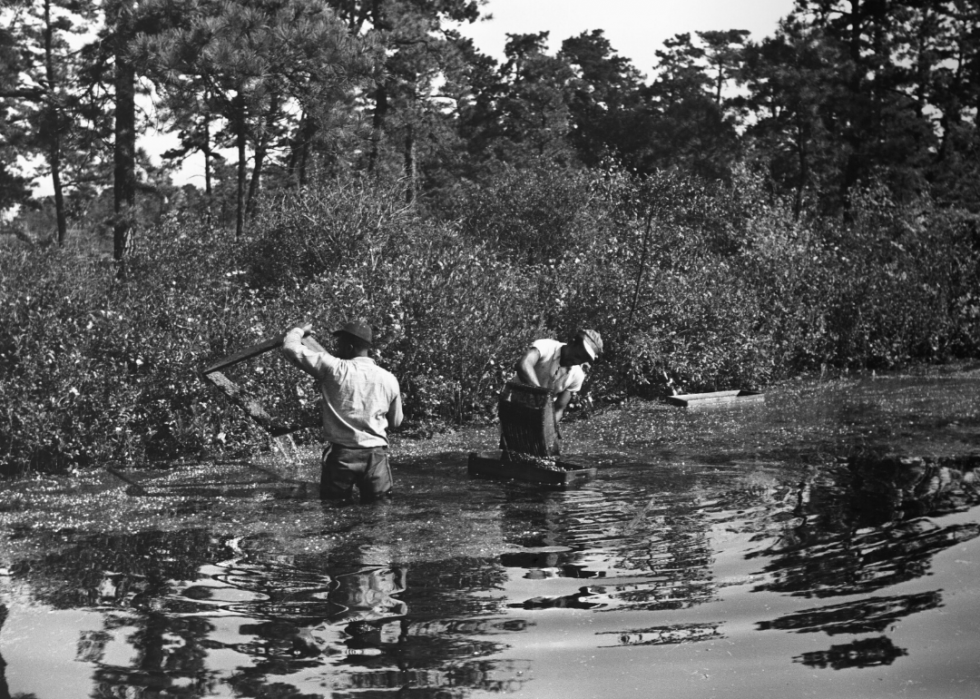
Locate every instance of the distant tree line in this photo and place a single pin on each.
(845, 94)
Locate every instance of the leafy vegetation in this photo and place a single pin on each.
(717, 286)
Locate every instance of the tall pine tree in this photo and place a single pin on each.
(41, 93)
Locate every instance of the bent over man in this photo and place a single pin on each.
(361, 401)
(557, 366)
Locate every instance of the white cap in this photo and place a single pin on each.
(592, 343)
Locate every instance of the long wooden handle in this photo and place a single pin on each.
(247, 353)
(255, 350)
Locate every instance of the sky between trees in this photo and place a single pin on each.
(635, 28)
(832, 98)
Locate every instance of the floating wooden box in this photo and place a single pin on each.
(491, 464)
(717, 399)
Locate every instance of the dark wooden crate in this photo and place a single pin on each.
(527, 419)
(717, 399)
(493, 465)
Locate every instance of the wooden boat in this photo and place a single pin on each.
(493, 465)
(717, 399)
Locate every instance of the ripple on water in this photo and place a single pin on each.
(724, 551)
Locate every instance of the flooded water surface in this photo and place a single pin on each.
(823, 543)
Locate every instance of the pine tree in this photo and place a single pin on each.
(870, 102)
(788, 78)
(14, 187)
(609, 115)
(40, 93)
(250, 67)
(415, 49)
(521, 108)
(691, 127)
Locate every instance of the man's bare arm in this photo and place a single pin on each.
(525, 367)
(395, 412)
(561, 402)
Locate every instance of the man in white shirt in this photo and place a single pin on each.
(557, 366)
(361, 401)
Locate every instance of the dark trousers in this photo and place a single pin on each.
(344, 467)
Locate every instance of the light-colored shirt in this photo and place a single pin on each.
(551, 374)
(357, 393)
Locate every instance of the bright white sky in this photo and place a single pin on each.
(634, 28)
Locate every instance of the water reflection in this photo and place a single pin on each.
(583, 599)
(656, 555)
(341, 623)
(874, 614)
(862, 561)
(861, 532)
(654, 550)
(865, 652)
(865, 528)
(184, 613)
(4, 690)
(666, 635)
(188, 612)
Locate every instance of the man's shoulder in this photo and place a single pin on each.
(379, 371)
(387, 374)
(547, 346)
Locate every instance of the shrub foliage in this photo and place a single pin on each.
(711, 287)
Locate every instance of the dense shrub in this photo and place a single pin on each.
(53, 317)
(313, 231)
(538, 214)
(908, 277)
(708, 287)
(95, 370)
(445, 308)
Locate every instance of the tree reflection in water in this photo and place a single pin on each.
(864, 616)
(198, 612)
(4, 690)
(667, 635)
(865, 531)
(865, 652)
(655, 552)
(194, 614)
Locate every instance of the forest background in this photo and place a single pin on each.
(751, 211)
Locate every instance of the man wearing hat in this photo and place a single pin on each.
(361, 401)
(557, 366)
